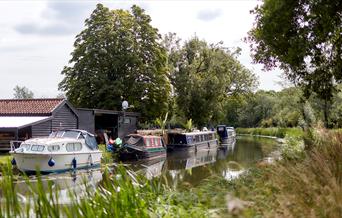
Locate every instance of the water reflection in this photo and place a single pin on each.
(184, 167)
(78, 182)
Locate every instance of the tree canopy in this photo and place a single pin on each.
(22, 92)
(203, 76)
(304, 38)
(118, 56)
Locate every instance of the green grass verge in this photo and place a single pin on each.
(274, 131)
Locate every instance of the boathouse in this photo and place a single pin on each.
(21, 119)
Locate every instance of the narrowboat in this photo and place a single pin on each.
(63, 150)
(200, 139)
(226, 134)
(136, 147)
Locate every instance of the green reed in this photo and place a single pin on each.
(120, 193)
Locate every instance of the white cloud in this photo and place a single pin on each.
(36, 37)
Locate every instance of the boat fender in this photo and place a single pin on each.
(51, 162)
(13, 162)
(90, 159)
(74, 163)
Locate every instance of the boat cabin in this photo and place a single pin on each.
(144, 141)
(191, 139)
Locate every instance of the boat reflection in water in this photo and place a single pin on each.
(187, 159)
(150, 168)
(189, 167)
(78, 182)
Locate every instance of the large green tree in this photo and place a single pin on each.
(203, 76)
(304, 38)
(118, 56)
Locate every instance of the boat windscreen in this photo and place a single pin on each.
(222, 131)
(90, 141)
(65, 134)
(134, 140)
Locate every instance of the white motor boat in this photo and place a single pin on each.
(63, 150)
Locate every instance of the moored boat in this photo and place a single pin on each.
(205, 139)
(227, 135)
(136, 147)
(63, 150)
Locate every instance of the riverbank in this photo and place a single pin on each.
(272, 132)
(305, 185)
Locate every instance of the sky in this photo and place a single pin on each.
(36, 37)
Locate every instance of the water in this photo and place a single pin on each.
(179, 168)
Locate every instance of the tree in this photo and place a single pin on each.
(304, 38)
(22, 92)
(203, 76)
(118, 56)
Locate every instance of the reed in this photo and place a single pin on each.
(310, 186)
(121, 193)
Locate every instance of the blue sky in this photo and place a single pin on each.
(36, 37)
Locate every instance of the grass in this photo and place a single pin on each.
(309, 185)
(4, 158)
(274, 131)
(121, 193)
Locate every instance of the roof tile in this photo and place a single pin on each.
(40, 107)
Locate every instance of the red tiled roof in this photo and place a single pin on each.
(29, 106)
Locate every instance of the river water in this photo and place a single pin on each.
(179, 168)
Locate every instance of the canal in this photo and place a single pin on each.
(178, 169)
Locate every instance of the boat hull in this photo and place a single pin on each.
(205, 144)
(30, 163)
(140, 155)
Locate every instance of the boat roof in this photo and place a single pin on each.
(143, 136)
(48, 141)
(75, 130)
(194, 133)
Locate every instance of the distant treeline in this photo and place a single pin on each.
(286, 108)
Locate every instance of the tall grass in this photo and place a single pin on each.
(121, 193)
(306, 187)
(274, 131)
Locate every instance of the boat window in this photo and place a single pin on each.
(37, 148)
(220, 129)
(197, 138)
(25, 146)
(71, 134)
(156, 142)
(53, 148)
(147, 142)
(73, 147)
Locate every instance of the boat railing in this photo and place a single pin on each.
(15, 144)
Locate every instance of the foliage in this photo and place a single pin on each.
(303, 38)
(305, 187)
(22, 92)
(277, 132)
(293, 148)
(188, 125)
(162, 122)
(121, 193)
(118, 57)
(203, 76)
